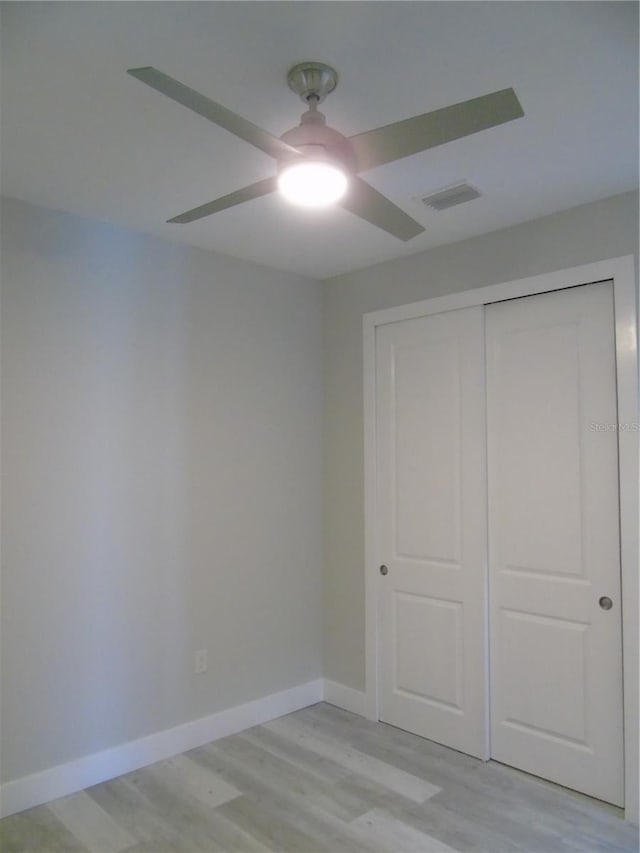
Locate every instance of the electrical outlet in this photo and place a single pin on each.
(200, 662)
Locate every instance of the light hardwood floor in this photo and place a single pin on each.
(321, 779)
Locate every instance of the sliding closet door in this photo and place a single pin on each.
(431, 510)
(555, 609)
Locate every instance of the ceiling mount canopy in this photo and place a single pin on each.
(316, 164)
(312, 81)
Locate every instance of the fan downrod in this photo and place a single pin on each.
(312, 81)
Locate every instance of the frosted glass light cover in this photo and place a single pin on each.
(312, 183)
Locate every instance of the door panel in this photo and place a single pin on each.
(427, 520)
(431, 504)
(556, 659)
(549, 651)
(421, 622)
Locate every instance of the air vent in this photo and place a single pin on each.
(451, 196)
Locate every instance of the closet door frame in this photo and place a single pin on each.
(622, 273)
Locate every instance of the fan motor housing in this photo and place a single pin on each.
(316, 141)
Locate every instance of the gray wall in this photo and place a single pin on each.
(585, 234)
(161, 488)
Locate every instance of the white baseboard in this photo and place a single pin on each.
(100, 766)
(345, 697)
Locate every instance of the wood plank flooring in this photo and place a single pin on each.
(321, 780)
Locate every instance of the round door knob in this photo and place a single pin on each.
(384, 570)
(605, 602)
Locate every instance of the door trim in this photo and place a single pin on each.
(622, 272)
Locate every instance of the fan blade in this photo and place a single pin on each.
(216, 113)
(394, 141)
(260, 188)
(371, 205)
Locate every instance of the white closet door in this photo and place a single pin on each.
(556, 660)
(431, 509)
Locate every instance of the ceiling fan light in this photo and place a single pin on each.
(313, 183)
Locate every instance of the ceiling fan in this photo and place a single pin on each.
(317, 165)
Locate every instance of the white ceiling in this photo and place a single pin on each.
(81, 135)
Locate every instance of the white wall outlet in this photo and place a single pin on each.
(200, 662)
